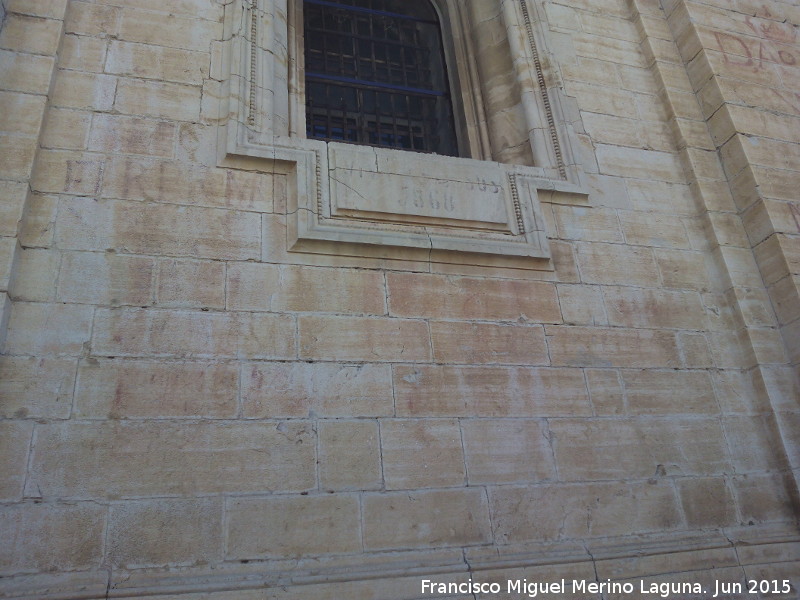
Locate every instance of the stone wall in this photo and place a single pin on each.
(188, 409)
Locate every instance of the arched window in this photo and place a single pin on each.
(376, 75)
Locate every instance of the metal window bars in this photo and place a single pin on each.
(376, 75)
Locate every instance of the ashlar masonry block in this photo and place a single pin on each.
(142, 389)
(48, 537)
(507, 451)
(420, 453)
(275, 390)
(423, 519)
(119, 459)
(283, 526)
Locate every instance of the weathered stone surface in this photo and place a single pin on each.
(275, 390)
(165, 532)
(507, 451)
(435, 296)
(33, 387)
(349, 455)
(98, 459)
(132, 388)
(51, 537)
(425, 519)
(363, 339)
(189, 334)
(442, 391)
(14, 444)
(292, 526)
(563, 511)
(68, 329)
(420, 453)
(456, 342)
(617, 347)
(296, 288)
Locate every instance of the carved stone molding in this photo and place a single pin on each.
(366, 201)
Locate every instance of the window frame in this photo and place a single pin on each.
(466, 104)
(369, 202)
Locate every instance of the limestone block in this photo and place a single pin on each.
(605, 391)
(9, 257)
(89, 91)
(48, 537)
(349, 455)
(186, 32)
(648, 229)
(66, 129)
(694, 350)
(686, 446)
(157, 62)
(609, 49)
(299, 288)
(50, 9)
(444, 391)
(119, 458)
(563, 511)
(12, 201)
(134, 389)
(669, 392)
(564, 261)
(707, 502)
(587, 224)
(88, 18)
(425, 519)
(457, 342)
(190, 284)
(30, 34)
(22, 113)
(600, 347)
(441, 297)
(637, 307)
(616, 264)
(117, 134)
(753, 450)
(419, 453)
(62, 172)
(763, 497)
(14, 443)
(601, 100)
(68, 327)
(507, 451)
(162, 229)
(172, 101)
(16, 156)
(188, 334)
(164, 532)
(582, 304)
(649, 196)
(273, 390)
(293, 526)
(639, 163)
(37, 271)
(363, 338)
(683, 269)
(105, 278)
(784, 295)
(177, 182)
(82, 53)
(26, 73)
(36, 387)
(587, 450)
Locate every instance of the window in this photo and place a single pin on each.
(376, 75)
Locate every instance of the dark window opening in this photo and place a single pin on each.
(376, 75)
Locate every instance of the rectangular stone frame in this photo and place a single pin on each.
(365, 201)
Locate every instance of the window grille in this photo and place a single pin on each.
(376, 75)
